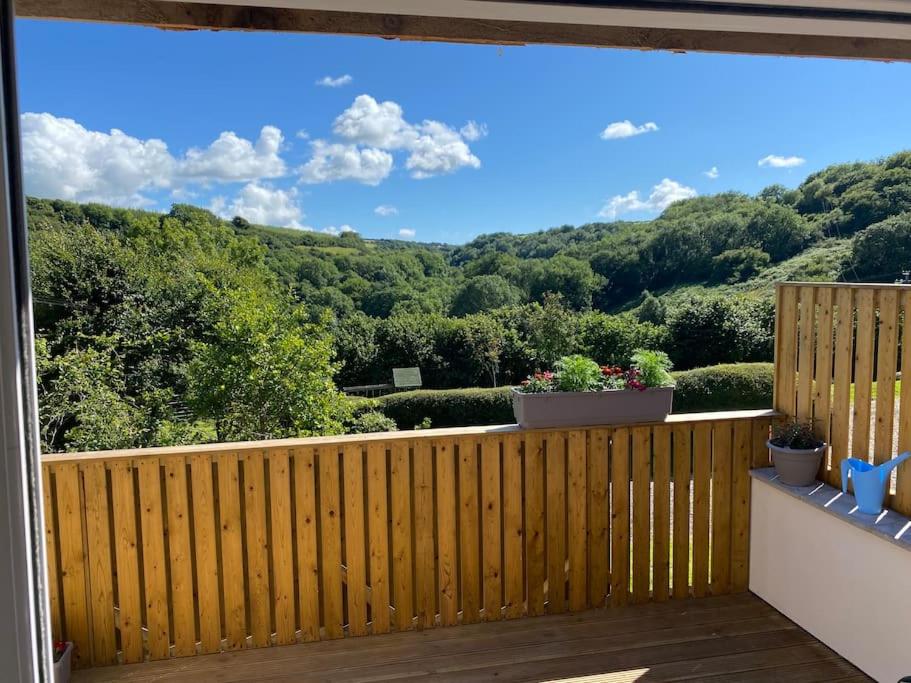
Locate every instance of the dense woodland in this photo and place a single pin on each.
(182, 327)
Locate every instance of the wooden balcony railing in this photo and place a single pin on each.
(181, 551)
(833, 341)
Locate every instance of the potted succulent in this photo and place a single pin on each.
(796, 452)
(579, 392)
(63, 661)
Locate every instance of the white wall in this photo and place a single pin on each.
(846, 586)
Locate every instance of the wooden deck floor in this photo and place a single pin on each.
(731, 638)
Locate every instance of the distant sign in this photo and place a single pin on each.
(406, 377)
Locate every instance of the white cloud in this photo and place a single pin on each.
(662, 196)
(338, 230)
(386, 210)
(775, 161)
(233, 159)
(62, 159)
(712, 173)
(434, 147)
(336, 161)
(379, 124)
(438, 149)
(407, 232)
(626, 129)
(473, 130)
(336, 82)
(263, 205)
(302, 134)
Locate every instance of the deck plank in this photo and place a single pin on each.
(731, 637)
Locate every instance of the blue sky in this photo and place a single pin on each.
(535, 157)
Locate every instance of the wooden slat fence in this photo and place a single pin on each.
(835, 343)
(181, 551)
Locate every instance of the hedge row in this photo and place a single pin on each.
(740, 386)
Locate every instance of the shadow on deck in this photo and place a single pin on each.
(725, 638)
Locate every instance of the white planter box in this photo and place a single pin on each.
(843, 576)
(63, 666)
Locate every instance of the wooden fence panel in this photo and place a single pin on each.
(857, 341)
(556, 522)
(224, 549)
(661, 513)
(355, 539)
(491, 528)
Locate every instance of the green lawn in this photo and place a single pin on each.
(898, 389)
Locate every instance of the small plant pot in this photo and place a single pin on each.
(63, 665)
(589, 408)
(796, 467)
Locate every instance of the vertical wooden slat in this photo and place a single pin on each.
(863, 374)
(402, 576)
(206, 550)
(513, 527)
(806, 353)
(469, 531)
(126, 554)
(740, 506)
(282, 546)
(822, 393)
(534, 522)
(50, 550)
(331, 541)
(702, 479)
(785, 350)
(183, 602)
(902, 499)
(661, 439)
(76, 608)
(98, 561)
(355, 539)
(760, 448)
(722, 463)
(153, 557)
(257, 547)
(232, 557)
(598, 517)
(424, 565)
(378, 532)
(305, 509)
(447, 529)
(556, 522)
(491, 527)
(620, 518)
(681, 550)
(886, 367)
(642, 456)
(842, 380)
(577, 526)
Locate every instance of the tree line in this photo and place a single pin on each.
(181, 327)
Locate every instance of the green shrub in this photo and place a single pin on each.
(449, 407)
(740, 386)
(371, 421)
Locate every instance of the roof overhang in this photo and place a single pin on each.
(876, 29)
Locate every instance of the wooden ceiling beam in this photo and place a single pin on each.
(200, 16)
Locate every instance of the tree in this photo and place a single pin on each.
(484, 293)
(652, 309)
(883, 250)
(266, 373)
(736, 265)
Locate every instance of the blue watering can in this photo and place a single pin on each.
(870, 481)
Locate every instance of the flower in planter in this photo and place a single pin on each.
(580, 374)
(59, 650)
(795, 434)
